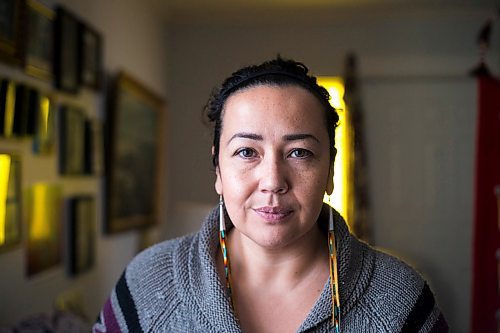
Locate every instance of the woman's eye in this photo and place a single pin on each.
(245, 152)
(300, 153)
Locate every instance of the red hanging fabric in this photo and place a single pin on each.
(486, 242)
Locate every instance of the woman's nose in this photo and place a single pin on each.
(273, 177)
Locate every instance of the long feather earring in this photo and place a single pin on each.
(223, 246)
(334, 282)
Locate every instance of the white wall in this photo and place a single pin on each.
(134, 40)
(420, 114)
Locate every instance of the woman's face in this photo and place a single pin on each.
(274, 163)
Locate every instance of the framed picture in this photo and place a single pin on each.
(10, 201)
(7, 102)
(39, 40)
(43, 215)
(135, 126)
(81, 233)
(90, 56)
(66, 66)
(43, 142)
(26, 109)
(73, 141)
(97, 147)
(12, 14)
(20, 118)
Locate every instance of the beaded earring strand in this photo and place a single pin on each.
(225, 255)
(334, 282)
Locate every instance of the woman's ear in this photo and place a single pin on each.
(218, 182)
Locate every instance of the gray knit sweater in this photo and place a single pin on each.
(174, 287)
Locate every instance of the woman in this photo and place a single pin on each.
(272, 257)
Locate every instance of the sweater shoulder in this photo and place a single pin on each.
(152, 280)
(398, 296)
(392, 272)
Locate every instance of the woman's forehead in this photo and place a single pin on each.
(289, 108)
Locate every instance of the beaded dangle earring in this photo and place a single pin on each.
(223, 247)
(334, 282)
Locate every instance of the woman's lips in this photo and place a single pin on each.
(273, 214)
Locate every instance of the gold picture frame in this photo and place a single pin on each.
(135, 124)
(12, 14)
(40, 40)
(10, 201)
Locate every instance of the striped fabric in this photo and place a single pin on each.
(421, 312)
(174, 287)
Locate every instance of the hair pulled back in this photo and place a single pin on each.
(277, 72)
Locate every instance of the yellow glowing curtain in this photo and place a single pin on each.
(341, 198)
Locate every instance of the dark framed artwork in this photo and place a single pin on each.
(12, 16)
(90, 57)
(73, 141)
(133, 175)
(44, 227)
(97, 147)
(19, 106)
(39, 40)
(26, 109)
(81, 233)
(10, 201)
(66, 65)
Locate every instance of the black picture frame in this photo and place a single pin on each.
(38, 58)
(12, 17)
(90, 57)
(26, 111)
(96, 147)
(82, 233)
(73, 141)
(66, 58)
(19, 109)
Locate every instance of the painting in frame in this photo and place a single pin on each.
(40, 40)
(7, 103)
(26, 108)
(90, 57)
(10, 201)
(12, 14)
(73, 141)
(66, 67)
(44, 138)
(81, 233)
(96, 147)
(132, 166)
(44, 227)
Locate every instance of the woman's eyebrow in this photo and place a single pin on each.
(245, 135)
(288, 137)
(293, 137)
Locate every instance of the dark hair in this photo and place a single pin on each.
(277, 72)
